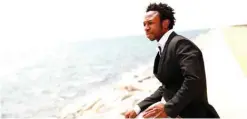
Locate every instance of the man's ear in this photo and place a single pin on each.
(165, 23)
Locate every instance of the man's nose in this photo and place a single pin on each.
(146, 27)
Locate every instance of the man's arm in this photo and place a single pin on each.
(191, 65)
(155, 97)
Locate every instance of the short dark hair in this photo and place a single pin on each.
(165, 12)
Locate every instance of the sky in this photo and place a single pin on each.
(26, 25)
(52, 20)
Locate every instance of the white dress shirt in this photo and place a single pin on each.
(161, 43)
(163, 40)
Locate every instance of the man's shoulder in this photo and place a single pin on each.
(179, 36)
(175, 39)
(178, 40)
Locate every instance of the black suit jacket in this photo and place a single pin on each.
(180, 69)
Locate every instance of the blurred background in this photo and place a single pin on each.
(56, 52)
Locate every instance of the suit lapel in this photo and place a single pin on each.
(164, 54)
(156, 64)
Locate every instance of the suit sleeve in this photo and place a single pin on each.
(190, 62)
(155, 97)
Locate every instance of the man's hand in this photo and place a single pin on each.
(130, 114)
(157, 111)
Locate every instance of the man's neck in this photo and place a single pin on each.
(162, 34)
(162, 41)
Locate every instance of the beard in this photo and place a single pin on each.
(150, 37)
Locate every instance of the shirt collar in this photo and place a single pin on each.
(163, 39)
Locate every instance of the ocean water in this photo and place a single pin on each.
(40, 79)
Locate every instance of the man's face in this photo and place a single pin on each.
(152, 25)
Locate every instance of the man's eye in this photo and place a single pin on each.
(147, 23)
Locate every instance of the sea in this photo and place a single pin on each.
(39, 79)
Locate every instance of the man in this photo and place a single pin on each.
(179, 66)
